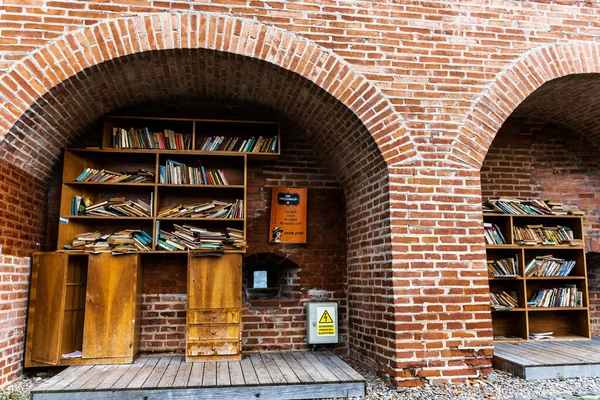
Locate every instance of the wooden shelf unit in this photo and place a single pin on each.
(92, 303)
(517, 324)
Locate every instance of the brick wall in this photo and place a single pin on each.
(419, 87)
(14, 290)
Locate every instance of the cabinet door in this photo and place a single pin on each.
(215, 282)
(48, 317)
(110, 303)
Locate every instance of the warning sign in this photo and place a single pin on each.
(326, 318)
(326, 324)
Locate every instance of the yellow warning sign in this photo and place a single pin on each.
(326, 318)
(326, 324)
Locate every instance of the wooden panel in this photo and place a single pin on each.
(214, 316)
(110, 306)
(74, 304)
(264, 392)
(215, 282)
(197, 332)
(212, 348)
(50, 304)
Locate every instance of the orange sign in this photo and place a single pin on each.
(288, 215)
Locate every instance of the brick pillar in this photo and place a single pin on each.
(441, 301)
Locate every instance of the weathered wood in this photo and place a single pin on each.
(97, 378)
(341, 375)
(130, 374)
(62, 383)
(169, 377)
(273, 369)
(143, 373)
(49, 308)
(110, 306)
(284, 368)
(117, 372)
(157, 373)
(327, 374)
(196, 375)
(236, 376)
(261, 371)
(210, 374)
(297, 368)
(183, 375)
(223, 378)
(214, 282)
(308, 367)
(171, 372)
(267, 392)
(344, 367)
(62, 375)
(248, 371)
(96, 370)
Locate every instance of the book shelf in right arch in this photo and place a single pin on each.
(566, 322)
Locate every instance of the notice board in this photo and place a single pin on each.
(288, 215)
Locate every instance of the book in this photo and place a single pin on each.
(143, 138)
(177, 173)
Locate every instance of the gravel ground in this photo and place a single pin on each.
(497, 386)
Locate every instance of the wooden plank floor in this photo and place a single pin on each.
(549, 359)
(295, 375)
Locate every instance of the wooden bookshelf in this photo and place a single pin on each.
(71, 286)
(519, 323)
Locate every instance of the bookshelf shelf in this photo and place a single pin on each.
(520, 322)
(557, 308)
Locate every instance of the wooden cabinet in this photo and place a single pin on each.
(567, 322)
(88, 303)
(214, 308)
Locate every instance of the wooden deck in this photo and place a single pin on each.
(295, 375)
(549, 360)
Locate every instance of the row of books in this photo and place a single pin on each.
(113, 207)
(549, 266)
(235, 143)
(213, 209)
(174, 172)
(189, 237)
(503, 267)
(568, 296)
(144, 139)
(547, 235)
(493, 234)
(516, 206)
(503, 301)
(125, 241)
(106, 176)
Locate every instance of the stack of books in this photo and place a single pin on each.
(177, 173)
(106, 176)
(549, 266)
(546, 235)
(503, 301)
(506, 267)
(144, 139)
(568, 296)
(493, 234)
(114, 207)
(125, 241)
(516, 206)
(213, 209)
(189, 237)
(234, 143)
(541, 335)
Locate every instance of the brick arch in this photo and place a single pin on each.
(76, 51)
(510, 89)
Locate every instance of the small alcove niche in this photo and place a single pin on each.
(268, 276)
